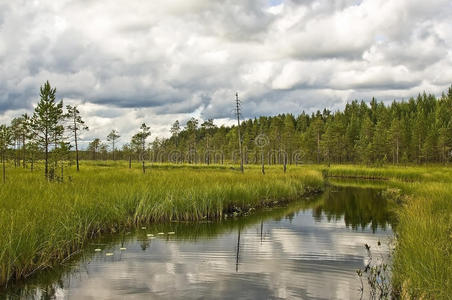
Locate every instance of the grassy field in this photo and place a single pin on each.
(44, 223)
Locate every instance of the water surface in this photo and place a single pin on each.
(308, 250)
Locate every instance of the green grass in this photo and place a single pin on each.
(407, 174)
(190, 231)
(422, 265)
(42, 223)
(423, 257)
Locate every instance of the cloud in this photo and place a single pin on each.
(177, 59)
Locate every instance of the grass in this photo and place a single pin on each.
(423, 257)
(108, 243)
(41, 223)
(422, 265)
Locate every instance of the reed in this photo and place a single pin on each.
(42, 223)
(422, 267)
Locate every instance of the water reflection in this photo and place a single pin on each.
(358, 207)
(307, 250)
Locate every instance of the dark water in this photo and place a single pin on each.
(307, 250)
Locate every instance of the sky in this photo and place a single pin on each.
(128, 62)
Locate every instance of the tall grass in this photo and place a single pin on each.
(42, 223)
(423, 257)
(408, 174)
(422, 266)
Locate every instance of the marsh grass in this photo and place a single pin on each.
(429, 173)
(423, 257)
(422, 261)
(110, 243)
(43, 223)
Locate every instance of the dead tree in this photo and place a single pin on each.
(237, 113)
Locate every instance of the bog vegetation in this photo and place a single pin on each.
(43, 223)
(46, 219)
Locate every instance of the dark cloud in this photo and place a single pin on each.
(155, 62)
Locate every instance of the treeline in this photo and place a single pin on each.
(52, 133)
(415, 131)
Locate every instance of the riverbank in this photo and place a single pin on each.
(294, 249)
(42, 224)
(422, 259)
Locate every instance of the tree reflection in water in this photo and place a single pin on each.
(359, 208)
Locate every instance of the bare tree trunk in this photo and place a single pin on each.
(23, 148)
(318, 146)
(142, 157)
(113, 149)
(397, 153)
(76, 147)
(15, 154)
(285, 162)
(238, 130)
(46, 171)
(207, 150)
(4, 167)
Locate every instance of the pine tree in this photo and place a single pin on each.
(395, 137)
(6, 138)
(112, 137)
(75, 125)
(21, 128)
(128, 151)
(289, 142)
(139, 142)
(94, 147)
(191, 128)
(46, 121)
(207, 127)
(364, 145)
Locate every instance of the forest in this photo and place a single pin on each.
(415, 131)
